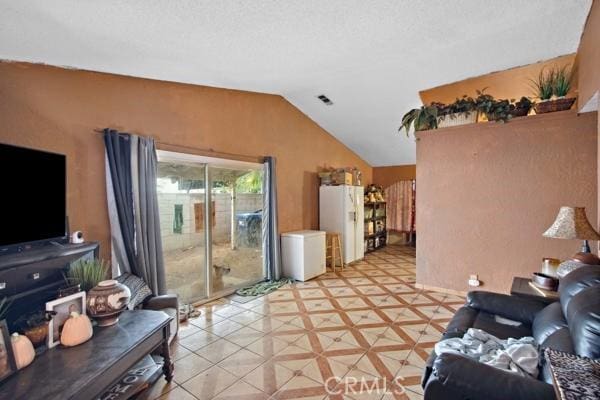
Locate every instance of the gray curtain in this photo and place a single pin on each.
(119, 260)
(133, 192)
(270, 234)
(120, 199)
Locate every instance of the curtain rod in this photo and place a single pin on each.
(199, 151)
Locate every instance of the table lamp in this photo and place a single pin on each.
(572, 223)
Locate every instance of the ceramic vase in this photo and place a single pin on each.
(107, 301)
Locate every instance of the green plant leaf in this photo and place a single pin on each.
(87, 273)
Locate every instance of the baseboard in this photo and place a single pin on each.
(440, 290)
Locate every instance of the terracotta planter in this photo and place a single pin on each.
(37, 335)
(106, 301)
(457, 119)
(561, 104)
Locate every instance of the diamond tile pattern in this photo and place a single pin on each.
(316, 339)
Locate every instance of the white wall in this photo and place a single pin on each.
(246, 202)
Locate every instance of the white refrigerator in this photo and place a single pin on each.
(341, 210)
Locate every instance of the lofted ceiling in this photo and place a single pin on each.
(370, 58)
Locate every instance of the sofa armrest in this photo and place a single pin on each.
(162, 302)
(511, 307)
(475, 380)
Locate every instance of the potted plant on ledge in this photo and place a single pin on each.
(494, 110)
(463, 111)
(521, 108)
(421, 119)
(551, 88)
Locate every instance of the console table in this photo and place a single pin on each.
(521, 287)
(86, 371)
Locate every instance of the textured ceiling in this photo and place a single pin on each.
(369, 57)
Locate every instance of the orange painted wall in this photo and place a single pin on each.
(58, 110)
(487, 192)
(387, 176)
(508, 84)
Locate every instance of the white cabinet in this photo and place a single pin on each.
(303, 254)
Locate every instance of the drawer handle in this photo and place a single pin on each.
(2, 285)
(35, 275)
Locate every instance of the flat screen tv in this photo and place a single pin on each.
(32, 198)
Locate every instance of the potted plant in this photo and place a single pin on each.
(551, 88)
(87, 273)
(463, 111)
(520, 108)
(421, 119)
(494, 110)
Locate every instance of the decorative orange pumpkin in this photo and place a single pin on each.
(77, 330)
(22, 349)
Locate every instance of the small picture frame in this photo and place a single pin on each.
(61, 309)
(8, 365)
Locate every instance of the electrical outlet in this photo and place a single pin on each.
(474, 280)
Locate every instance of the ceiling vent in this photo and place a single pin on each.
(325, 100)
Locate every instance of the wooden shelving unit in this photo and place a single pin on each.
(375, 226)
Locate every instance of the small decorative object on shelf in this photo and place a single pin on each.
(69, 289)
(341, 176)
(77, 330)
(22, 349)
(35, 326)
(549, 266)
(107, 301)
(61, 310)
(545, 282)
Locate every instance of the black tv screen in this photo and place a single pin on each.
(33, 198)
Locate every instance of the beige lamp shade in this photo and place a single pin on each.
(572, 223)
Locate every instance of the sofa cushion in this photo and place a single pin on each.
(511, 307)
(462, 320)
(486, 322)
(575, 281)
(560, 339)
(139, 289)
(468, 317)
(583, 317)
(548, 321)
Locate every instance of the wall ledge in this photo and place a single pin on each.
(519, 121)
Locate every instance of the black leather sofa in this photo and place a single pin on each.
(571, 325)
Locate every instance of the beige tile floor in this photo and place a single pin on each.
(361, 333)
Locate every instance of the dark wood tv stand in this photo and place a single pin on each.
(32, 277)
(87, 371)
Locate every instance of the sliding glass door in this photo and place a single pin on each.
(236, 239)
(181, 198)
(211, 224)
